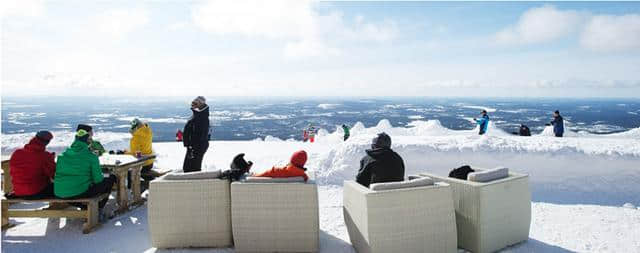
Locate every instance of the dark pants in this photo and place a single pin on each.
(558, 134)
(46, 193)
(193, 160)
(95, 190)
(144, 173)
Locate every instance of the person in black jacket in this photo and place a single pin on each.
(524, 130)
(196, 135)
(239, 169)
(381, 164)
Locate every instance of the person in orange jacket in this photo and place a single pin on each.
(295, 168)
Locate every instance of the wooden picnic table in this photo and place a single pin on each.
(119, 165)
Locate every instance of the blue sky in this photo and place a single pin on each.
(308, 48)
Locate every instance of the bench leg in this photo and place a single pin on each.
(92, 217)
(5, 214)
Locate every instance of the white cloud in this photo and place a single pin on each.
(306, 32)
(24, 8)
(540, 24)
(255, 18)
(612, 33)
(120, 22)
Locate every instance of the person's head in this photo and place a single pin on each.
(299, 158)
(135, 123)
(44, 137)
(83, 136)
(556, 113)
(239, 163)
(198, 102)
(85, 127)
(381, 141)
(483, 112)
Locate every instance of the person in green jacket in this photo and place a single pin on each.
(345, 128)
(78, 173)
(94, 145)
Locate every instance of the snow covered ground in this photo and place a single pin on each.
(579, 186)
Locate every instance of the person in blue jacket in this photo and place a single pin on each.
(558, 124)
(483, 122)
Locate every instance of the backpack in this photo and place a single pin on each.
(461, 173)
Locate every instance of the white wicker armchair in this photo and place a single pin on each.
(189, 213)
(275, 217)
(492, 215)
(418, 219)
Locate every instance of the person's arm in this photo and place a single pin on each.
(50, 165)
(96, 171)
(364, 174)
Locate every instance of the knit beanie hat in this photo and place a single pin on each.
(82, 135)
(134, 123)
(381, 141)
(239, 163)
(299, 158)
(85, 127)
(44, 137)
(200, 99)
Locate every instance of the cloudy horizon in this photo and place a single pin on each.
(309, 48)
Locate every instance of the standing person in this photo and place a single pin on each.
(483, 122)
(179, 135)
(196, 135)
(32, 168)
(558, 124)
(305, 135)
(345, 128)
(312, 133)
(94, 145)
(380, 164)
(78, 173)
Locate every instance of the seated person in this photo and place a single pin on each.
(32, 169)
(381, 164)
(239, 169)
(295, 168)
(94, 145)
(78, 173)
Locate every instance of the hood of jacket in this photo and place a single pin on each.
(197, 112)
(379, 152)
(34, 145)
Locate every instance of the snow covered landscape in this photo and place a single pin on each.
(585, 189)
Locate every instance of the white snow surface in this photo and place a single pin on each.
(582, 185)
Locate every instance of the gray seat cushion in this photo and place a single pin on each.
(179, 175)
(418, 182)
(274, 180)
(488, 175)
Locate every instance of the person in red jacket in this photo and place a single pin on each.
(32, 168)
(179, 135)
(295, 168)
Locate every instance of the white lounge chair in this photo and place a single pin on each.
(189, 212)
(270, 215)
(491, 215)
(416, 219)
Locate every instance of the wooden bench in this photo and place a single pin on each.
(90, 214)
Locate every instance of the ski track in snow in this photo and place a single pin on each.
(579, 185)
